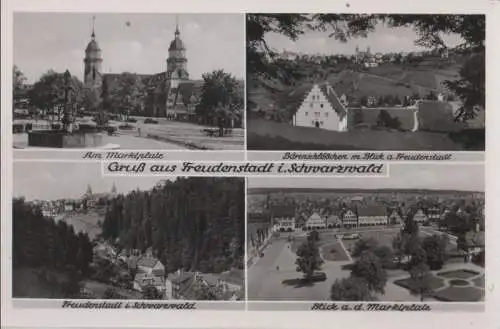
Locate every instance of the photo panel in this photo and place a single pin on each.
(417, 236)
(347, 82)
(79, 237)
(168, 82)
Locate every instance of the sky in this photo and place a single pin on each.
(461, 177)
(59, 180)
(383, 39)
(135, 43)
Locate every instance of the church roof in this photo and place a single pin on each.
(177, 44)
(92, 46)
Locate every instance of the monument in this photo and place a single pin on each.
(68, 135)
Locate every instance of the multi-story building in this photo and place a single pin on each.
(372, 215)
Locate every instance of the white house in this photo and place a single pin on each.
(151, 266)
(420, 216)
(284, 217)
(372, 215)
(323, 109)
(350, 219)
(315, 221)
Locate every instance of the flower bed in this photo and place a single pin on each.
(458, 274)
(460, 294)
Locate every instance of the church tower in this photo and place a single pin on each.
(92, 76)
(177, 61)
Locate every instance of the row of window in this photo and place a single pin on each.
(320, 105)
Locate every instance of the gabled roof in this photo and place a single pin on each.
(283, 211)
(315, 216)
(332, 98)
(148, 262)
(369, 211)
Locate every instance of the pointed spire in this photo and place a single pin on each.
(93, 27)
(177, 32)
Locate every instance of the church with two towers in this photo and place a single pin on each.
(169, 94)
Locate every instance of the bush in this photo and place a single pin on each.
(29, 126)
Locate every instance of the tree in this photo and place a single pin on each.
(128, 94)
(363, 245)
(420, 281)
(221, 97)
(48, 93)
(369, 267)
(308, 259)
(435, 249)
(417, 256)
(18, 81)
(470, 88)
(386, 256)
(90, 99)
(314, 236)
(150, 292)
(350, 289)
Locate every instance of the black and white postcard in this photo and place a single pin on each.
(77, 235)
(416, 236)
(365, 82)
(128, 81)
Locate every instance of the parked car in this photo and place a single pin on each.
(351, 236)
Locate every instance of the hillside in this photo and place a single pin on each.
(193, 223)
(386, 80)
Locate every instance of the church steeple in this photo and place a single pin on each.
(177, 61)
(177, 32)
(92, 62)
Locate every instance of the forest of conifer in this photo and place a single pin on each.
(194, 224)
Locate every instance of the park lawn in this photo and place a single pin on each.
(435, 282)
(87, 223)
(334, 252)
(460, 294)
(458, 274)
(269, 135)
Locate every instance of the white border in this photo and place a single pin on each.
(255, 319)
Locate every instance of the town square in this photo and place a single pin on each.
(130, 82)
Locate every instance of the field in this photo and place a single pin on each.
(87, 223)
(269, 135)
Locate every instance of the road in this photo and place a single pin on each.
(266, 282)
(123, 141)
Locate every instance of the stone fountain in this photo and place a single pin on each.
(70, 135)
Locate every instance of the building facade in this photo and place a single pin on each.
(322, 108)
(315, 222)
(372, 216)
(350, 219)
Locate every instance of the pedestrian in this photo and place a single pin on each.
(139, 131)
(277, 268)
